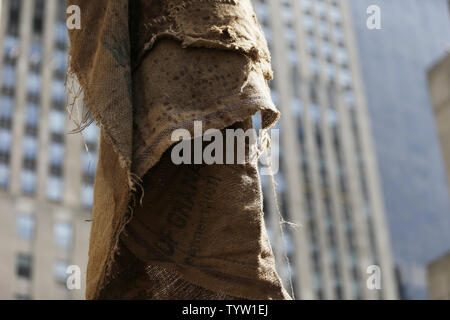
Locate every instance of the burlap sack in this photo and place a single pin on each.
(199, 231)
(204, 232)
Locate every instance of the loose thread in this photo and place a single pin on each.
(280, 217)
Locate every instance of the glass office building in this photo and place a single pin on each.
(394, 62)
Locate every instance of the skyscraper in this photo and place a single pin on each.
(394, 60)
(329, 182)
(46, 176)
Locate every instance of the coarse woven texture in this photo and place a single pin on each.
(184, 61)
(202, 238)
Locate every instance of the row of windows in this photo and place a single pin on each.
(57, 116)
(62, 237)
(315, 115)
(33, 84)
(326, 27)
(326, 47)
(14, 17)
(6, 111)
(62, 231)
(24, 269)
(56, 158)
(330, 117)
(11, 49)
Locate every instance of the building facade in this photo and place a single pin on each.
(438, 275)
(439, 83)
(328, 184)
(46, 175)
(394, 60)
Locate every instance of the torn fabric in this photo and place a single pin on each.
(148, 68)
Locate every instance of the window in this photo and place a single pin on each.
(317, 281)
(293, 58)
(87, 195)
(57, 121)
(33, 83)
(308, 22)
(5, 140)
(280, 183)
(61, 12)
(326, 49)
(4, 175)
(311, 43)
(32, 114)
(59, 271)
(335, 14)
(297, 107)
(6, 107)
(262, 11)
(8, 76)
(330, 71)
(338, 35)
(28, 181)
(356, 290)
(30, 147)
(332, 117)
(306, 4)
(35, 53)
(350, 98)
(14, 17)
(334, 255)
(61, 33)
(56, 154)
(289, 244)
(62, 233)
(11, 47)
(9, 44)
(342, 56)
(314, 64)
(89, 161)
(91, 133)
(23, 266)
(274, 95)
(59, 60)
(346, 78)
(321, 8)
(324, 29)
(315, 113)
(291, 36)
(286, 13)
(54, 188)
(25, 226)
(38, 14)
(58, 92)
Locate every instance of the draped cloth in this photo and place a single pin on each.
(161, 230)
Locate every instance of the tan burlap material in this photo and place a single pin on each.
(160, 230)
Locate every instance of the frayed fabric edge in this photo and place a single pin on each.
(135, 188)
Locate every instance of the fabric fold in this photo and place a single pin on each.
(160, 230)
